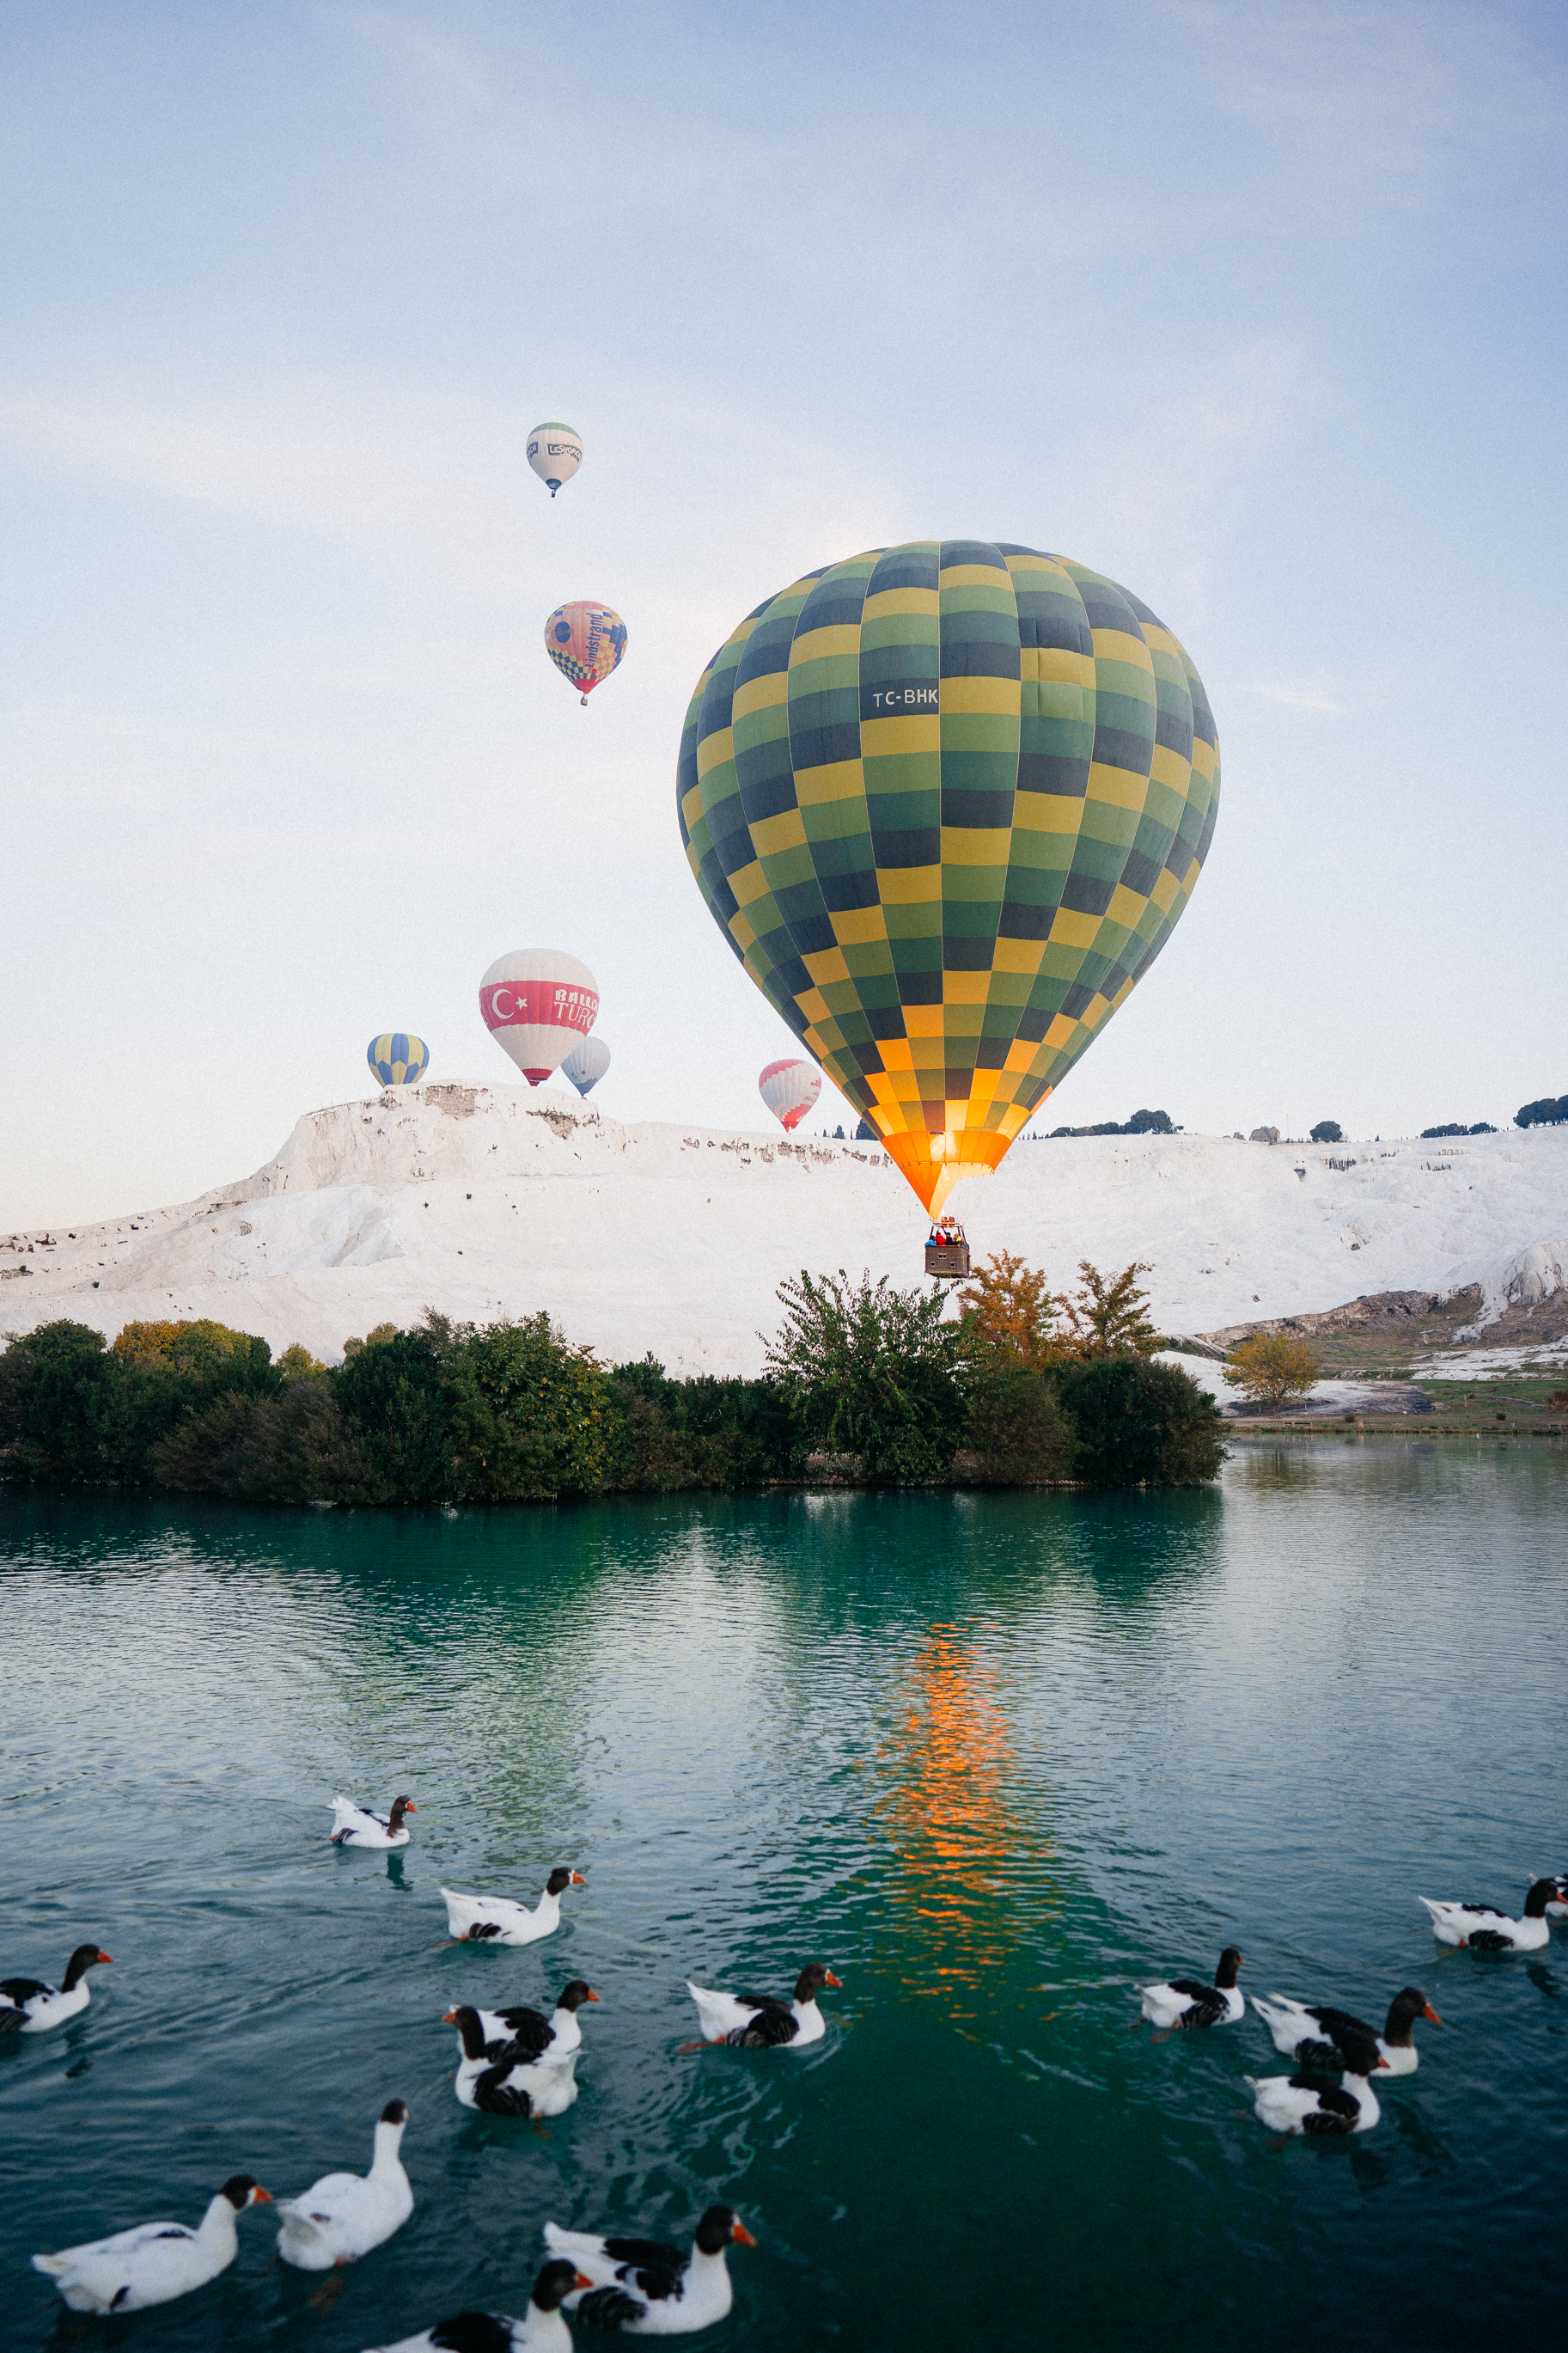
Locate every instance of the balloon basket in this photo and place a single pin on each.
(947, 1258)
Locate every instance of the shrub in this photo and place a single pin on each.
(1017, 1432)
(531, 1413)
(1550, 1111)
(1140, 1424)
(1450, 1127)
(73, 1412)
(292, 1447)
(1272, 1366)
(393, 1396)
(297, 1364)
(1483, 1127)
(1328, 1131)
(377, 1337)
(870, 1370)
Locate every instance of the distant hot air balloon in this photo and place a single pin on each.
(586, 641)
(586, 1065)
(789, 1089)
(947, 801)
(537, 1004)
(555, 453)
(397, 1059)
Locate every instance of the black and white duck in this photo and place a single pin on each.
(29, 2006)
(155, 2261)
(758, 2022)
(1187, 2001)
(1484, 1930)
(1309, 2104)
(645, 2288)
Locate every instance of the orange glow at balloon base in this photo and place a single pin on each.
(932, 1165)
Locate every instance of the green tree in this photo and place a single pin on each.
(1271, 1367)
(1138, 1424)
(393, 1394)
(1017, 1432)
(870, 1370)
(1109, 1316)
(531, 1414)
(1328, 1131)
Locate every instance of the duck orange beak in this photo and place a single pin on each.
(578, 1880)
(832, 1980)
(592, 1995)
(259, 2196)
(449, 2018)
(1427, 2011)
(106, 1957)
(741, 2236)
(583, 2279)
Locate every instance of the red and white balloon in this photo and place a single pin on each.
(789, 1089)
(538, 1004)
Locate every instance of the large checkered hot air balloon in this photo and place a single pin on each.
(537, 1004)
(586, 641)
(947, 801)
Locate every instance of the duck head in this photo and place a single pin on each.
(85, 1958)
(812, 1979)
(561, 1879)
(556, 2283)
(1361, 2057)
(467, 2021)
(1544, 1892)
(401, 1805)
(722, 2227)
(575, 1995)
(241, 2192)
(1230, 1961)
(1408, 2004)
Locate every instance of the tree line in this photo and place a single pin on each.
(861, 1381)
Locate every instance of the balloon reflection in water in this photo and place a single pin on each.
(953, 1766)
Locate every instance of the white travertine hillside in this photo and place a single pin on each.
(484, 1200)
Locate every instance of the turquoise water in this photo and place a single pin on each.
(997, 1760)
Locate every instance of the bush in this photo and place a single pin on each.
(1140, 1424)
(1109, 1317)
(1008, 1307)
(1451, 1127)
(73, 1412)
(1328, 1131)
(1272, 1366)
(1483, 1127)
(292, 1447)
(868, 1370)
(1550, 1111)
(530, 1413)
(1018, 1434)
(393, 1396)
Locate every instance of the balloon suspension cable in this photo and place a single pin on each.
(585, 698)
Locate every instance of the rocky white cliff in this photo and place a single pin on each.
(488, 1200)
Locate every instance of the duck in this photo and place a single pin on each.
(648, 2289)
(344, 2215)
(756, 2022)
(541, 2330)
(1187, 2001)
(1316, 2036)
(155, 2261)
(1558, 1907)
(530, 2035)
(29, 2006)
(1486, 1931)
(356, 1826)
(497, 1920)
(511, 2085)
(1307, 2103)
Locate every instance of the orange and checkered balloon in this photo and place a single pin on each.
(586, 641)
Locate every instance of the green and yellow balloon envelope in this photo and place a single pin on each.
(947, 801)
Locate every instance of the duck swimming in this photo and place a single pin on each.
(649, 2289)
(155, 2261)
(497, 1920)
(355, 1826)
(29, 2006)
(1187, 2001)
(1317, 2036)
(756, 2022)
(344, 2215)
(1484, 1930)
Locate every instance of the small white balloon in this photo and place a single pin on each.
(555, 452)
(586, 1065)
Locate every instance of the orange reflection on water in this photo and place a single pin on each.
(946, 1809)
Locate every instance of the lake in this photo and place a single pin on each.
(997, 1760)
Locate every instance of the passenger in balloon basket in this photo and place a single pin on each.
(947, 1250)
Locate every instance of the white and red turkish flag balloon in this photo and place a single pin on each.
(538, 1004)
(789, 1089)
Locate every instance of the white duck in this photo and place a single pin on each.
(1317, 2036)
(497, 1920)
(344, 2215)
(541, 2330)
(1187, 2001)
(1486, 1931)
(648, 2289)
(756, 2022)
(528, 2034)
(157, 2261)
(1307, 2104)
(29, 2006)
(353, 1826)
(508, 2085)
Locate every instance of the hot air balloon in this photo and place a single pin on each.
(537, 1005)
(947, 801)
(586, 641)
(554, 453)
(789, 1089)
(397, 1059)
(586, 1065)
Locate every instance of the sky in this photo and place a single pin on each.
(1257, 309)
